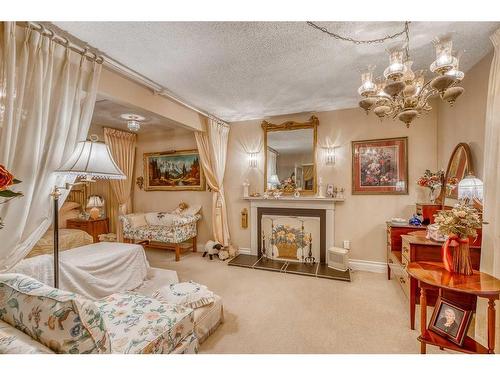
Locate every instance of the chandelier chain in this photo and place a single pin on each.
(360, 41)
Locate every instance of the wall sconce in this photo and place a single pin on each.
(330, 155)
(252, 159)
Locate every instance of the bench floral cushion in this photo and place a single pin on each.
(140, 324)
(13, 341)
(60, 320)
(182, 229)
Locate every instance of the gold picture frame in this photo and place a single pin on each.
(179, 171)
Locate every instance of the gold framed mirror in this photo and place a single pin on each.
(290, 156)
(459, 166)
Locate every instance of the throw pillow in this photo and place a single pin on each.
(137, 220)
(189, 294)
(193, 210)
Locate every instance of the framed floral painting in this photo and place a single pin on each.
(380, 166)
(173, 170)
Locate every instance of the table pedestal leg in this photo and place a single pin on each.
(423, 317)
(491, 325)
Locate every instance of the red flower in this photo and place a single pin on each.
(6, 178)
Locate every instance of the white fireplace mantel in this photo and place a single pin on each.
(308, 202)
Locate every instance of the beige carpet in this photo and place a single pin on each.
(269, 312)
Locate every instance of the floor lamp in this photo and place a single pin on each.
(91, 160)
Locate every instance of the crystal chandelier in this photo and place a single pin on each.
(133, 121)
(404, 94)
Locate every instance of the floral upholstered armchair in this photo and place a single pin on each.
(35, 318)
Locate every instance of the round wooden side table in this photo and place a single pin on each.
(432, 275)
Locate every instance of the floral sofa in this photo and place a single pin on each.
(165, 229)
(36, 318)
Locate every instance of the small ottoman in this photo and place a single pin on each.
(207, 317)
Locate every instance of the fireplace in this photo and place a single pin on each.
(292, 234)
(282, 227)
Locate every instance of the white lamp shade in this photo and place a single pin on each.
(94, 160)
(95, 201)
(274, 180)
(470, 188)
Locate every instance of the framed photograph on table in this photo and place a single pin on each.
(450, 321)
(173, 170)
(380, 166)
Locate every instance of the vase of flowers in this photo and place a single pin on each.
(459, 224)
(7, 180)
(432, 181)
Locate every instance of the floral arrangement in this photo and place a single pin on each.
(288, 185)
(431, 180)
(461, 221)
(7, 180)
(285, 234)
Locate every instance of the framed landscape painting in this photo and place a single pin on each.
(380, 166)
(173, 170)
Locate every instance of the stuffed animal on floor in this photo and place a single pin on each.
(232, 250)
(223, 254)
(212, 248)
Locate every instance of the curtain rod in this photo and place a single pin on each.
(66, 39)
(90, 53)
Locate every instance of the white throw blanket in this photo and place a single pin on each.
(93, 271)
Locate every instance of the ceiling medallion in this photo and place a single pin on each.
(404, 94)
(133, 121)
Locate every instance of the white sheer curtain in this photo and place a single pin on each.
(212, 145)
(122, 147)
(490, 248)
(48, 96)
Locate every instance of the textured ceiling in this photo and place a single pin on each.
(249, 70)
(107, 113)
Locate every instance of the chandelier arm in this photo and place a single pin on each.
(367, 41)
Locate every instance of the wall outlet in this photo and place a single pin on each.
(347, 244)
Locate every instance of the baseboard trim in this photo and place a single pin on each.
(245, 250)
(367, 265)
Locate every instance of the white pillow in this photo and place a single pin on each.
(193, 210)
(159, 218)
(189, 294)
(137, 220)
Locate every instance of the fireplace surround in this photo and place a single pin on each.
(289, 206)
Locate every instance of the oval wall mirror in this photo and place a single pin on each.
(459, 166)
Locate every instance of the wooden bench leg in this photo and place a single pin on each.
(177, 252)
(195, 249)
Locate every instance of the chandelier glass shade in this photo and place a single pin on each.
(133, 125)
(402, 93)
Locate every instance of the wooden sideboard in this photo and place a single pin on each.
(407, 244)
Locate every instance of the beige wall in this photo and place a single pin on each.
(152, 201)
(361, 218)
(465, 121)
